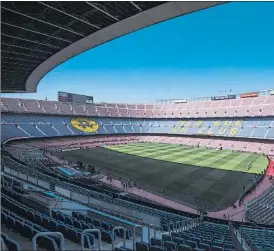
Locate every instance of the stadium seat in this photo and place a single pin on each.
(142, 246)
(184, 248)
(156, 242)
(170, 245)
(166, 237)
(157, 248)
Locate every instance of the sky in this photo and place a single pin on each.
(228, 47)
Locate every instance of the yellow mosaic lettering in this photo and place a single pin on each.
(233, 131)
(227, 123)
(176, 129)
(200, 122)
(184, 130)
(222, 131)
(210, 131)
(217, 123)
(201, 130)
(238, 123)
(188, 123)
(182, 123)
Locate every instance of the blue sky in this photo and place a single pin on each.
(197, 55)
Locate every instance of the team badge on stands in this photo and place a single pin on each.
(85, 125)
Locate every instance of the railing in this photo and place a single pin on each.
(183, 225)
(151, 226)
(27, 171)
(42, 234)
(134, 235)
(94, 230)
(3, 245)
(52, 181)
(113, 235)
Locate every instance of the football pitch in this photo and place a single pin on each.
(192, 176)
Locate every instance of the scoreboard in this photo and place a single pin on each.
(74, 98)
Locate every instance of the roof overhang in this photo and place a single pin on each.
(139, 21)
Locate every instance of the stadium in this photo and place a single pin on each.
(181, 175)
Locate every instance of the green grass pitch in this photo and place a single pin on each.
(192, 176)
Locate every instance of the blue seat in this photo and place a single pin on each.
(28, 231)
(179, 241)
(10, 222)
(215, 248)
(204, 246)
(84, 225)
(4, 236)
(197, 240)
(157, 248)
(47, 243)
(68, 221)
(156, 242)
(60, 217)
(97, 223)
(5, 211)
(192, 244)
(107, 236)
(217, 244)
(52, 225)
(38, 219)
(206, 241)
(128, 234)
(169, 245)
(72, 235)
(89, 219)
(89, 241)
(46, 222)
(106, 226)
(77, 224)
(3, 218)
(120, 249)
(184, 248)
(19, 226)
(30, 215)
(228, 246)
(12, 245)
(166, 237)
(142, 246)
(82, 217)
(173, 234)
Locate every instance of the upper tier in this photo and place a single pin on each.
(26, 125)
(246, 107)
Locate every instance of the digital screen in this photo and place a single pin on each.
(223, 97)
(74, 98)
(89, 100)
(62, 96)
(180, 101)
(70, 98)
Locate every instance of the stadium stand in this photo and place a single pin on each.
(42, 193)
(33, 125)
(31, 169)
(259, 106)
(260, 210)
(259, 238)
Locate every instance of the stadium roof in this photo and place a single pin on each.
(38, 36)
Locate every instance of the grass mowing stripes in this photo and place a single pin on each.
(189, 175)
(211, 158)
